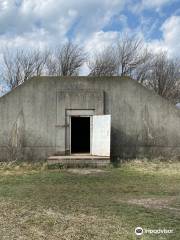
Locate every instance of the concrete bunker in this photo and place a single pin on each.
(39, 114)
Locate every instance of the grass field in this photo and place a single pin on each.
(107, 204)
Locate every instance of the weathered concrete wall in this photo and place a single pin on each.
(143, 124)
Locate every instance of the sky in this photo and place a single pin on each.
(93, 24)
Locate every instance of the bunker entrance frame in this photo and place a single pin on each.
(78, 113)
(99, 128)
(80, 134)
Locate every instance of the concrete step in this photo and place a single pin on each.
(79, 160)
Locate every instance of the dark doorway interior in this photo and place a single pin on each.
(80, 134)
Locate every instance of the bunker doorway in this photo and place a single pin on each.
(80, 134)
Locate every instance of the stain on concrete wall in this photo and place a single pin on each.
(16, 138)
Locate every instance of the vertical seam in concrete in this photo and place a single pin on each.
(56, 122)
(103, 102)
(66, 123)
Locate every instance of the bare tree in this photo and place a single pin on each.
(103, 63)
(142, 71)
(164, 77)
(52, 65)
(131, 53)
(66, 61)
(128, 57)
(21, 65)
(11, 72)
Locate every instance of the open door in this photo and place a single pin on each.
(101, 132)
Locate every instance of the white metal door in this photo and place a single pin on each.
(101, 132)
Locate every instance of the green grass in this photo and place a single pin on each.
(37, 203)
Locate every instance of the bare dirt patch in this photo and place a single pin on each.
(82, 171)
(153, 202)
(156, 203)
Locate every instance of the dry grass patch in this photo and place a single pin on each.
(166, 168)
(93, 204)
(13, 168)
(19, 222)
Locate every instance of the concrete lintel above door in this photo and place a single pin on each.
(80, 112)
